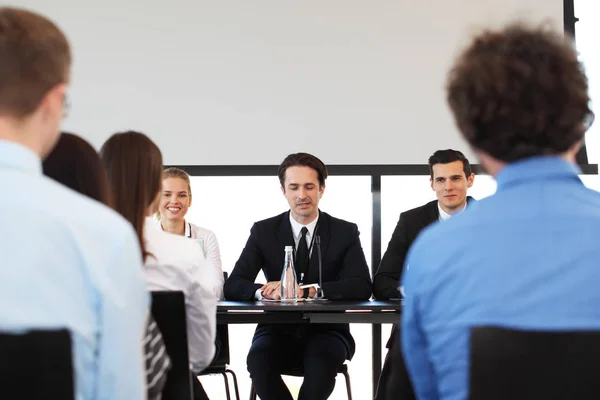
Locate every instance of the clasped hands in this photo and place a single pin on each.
(272, 291)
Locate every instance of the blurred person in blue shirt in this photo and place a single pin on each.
(67, 261)
(526, 257)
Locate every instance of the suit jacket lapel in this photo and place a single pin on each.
(322, 230)
(433, 213)
(285, 237)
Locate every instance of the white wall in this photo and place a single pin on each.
(587, 32)
(247, 82)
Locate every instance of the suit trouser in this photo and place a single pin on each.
(318, 355)
(394, 382)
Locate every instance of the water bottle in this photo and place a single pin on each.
(288, 277)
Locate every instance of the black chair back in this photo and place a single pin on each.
(516, 364)
(222, 358)
(37, 365)
(168, 310)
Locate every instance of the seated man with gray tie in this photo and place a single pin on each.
(317, 350)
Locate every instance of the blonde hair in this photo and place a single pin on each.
(176, 173)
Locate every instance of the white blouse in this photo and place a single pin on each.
(174, 264)
(210, 247)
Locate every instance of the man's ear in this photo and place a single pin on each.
(431, 184)
(321, 191)
(53, 101)
(283, 190)
(489, 164)
(470, 180)
(571, 153)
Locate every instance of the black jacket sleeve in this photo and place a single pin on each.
(240, 284)
(387, 278)
(354, 281)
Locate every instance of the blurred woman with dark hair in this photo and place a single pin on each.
(74, 163)
(134, 167)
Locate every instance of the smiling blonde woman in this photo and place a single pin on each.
(176, 199)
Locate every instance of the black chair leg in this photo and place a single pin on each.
(252, 393)
(235, 384)
(226, 385)
(348, 389)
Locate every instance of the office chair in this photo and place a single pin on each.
(37, 365)
(298, 372)
(220, 364)
(168, 310)
(519, 364)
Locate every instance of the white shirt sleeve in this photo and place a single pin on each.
(201, 307)
(258, 294)
(179, 264)
(314, 296)
(213, 257)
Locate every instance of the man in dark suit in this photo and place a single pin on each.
(450, 176)
(317, 350)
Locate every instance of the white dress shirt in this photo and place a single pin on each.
(69, 262)
(297, 234)
(209, 246)
(177, 263)
(444, 216)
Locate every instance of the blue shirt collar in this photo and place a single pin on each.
(536, 168)
(16, 156)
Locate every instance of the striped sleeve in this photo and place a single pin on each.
(157, 361)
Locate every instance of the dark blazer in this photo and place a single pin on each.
(394, 382)
(410, 224)
(345, 271)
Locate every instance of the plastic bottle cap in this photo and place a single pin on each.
(289, 248)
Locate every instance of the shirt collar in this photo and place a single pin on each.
(297, 227)
(444, 216)
(536, 168)
(16, 156)
(187, 227)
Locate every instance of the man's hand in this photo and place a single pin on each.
(312, 291)
(271, 290)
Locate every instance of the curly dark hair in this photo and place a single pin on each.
(520, 92)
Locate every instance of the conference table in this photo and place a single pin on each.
(373, 312)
